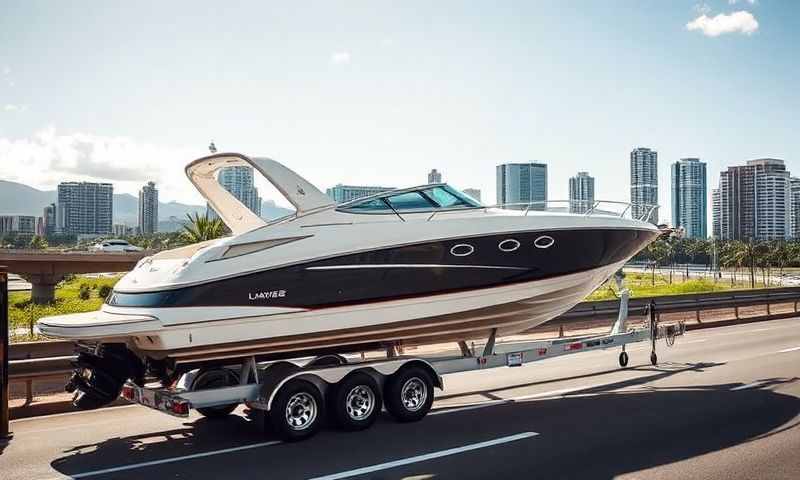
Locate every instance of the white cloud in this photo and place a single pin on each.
(340, 58)
(734, 2)
(48, 158)
(6, 70)
(741, 22)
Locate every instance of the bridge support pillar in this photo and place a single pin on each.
(43, 286)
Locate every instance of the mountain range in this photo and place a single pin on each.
(20, 199)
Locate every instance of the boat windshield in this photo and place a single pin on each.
(418, 199)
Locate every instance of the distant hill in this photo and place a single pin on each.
(20, 199)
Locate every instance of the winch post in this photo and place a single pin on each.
(621, 325)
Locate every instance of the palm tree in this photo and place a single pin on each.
(38, 243)
(200, 229)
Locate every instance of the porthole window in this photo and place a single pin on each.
(462, 250)
(508, 245)
(545, 241)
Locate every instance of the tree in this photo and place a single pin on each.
(200, 229)
(38, 243)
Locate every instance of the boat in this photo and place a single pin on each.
(406, 267)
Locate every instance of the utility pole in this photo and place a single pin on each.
(5, 433)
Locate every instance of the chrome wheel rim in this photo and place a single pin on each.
(360, 402)
(301, 411)
(413, 394)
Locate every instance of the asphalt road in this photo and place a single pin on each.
(724, 403)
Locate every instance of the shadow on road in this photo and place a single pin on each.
(595, 433)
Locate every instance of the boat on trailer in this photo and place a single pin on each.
(421, 265)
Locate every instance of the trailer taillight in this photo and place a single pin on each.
(128, 393)
(180, 407)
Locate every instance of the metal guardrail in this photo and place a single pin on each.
(31, 361)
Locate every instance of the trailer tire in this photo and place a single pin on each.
(355, 402)
(297, 410)
(216, 378)
(409, 394)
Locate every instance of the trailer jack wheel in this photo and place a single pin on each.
(654, 358)
(623, 359)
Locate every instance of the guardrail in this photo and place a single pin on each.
(32, 361)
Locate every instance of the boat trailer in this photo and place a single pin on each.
(294, 396)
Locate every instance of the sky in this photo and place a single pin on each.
(378, 93)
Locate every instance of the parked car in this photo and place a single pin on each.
(114, 246)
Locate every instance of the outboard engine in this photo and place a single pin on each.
(100, 374)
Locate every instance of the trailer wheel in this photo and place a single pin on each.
(623, 359)
(409, 394)
(297, 410)
(356, 402)
(216, 378)
(654, 358)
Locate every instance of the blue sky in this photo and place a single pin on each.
(379, 92)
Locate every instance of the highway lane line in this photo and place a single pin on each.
(552, 393)
(787, 350)
(172, 460)
(427, 456)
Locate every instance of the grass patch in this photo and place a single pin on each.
(642, 285)
(23, 313)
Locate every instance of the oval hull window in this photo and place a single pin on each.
(462, 250)
(545, 241)
(508, 245)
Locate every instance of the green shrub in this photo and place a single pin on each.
(83, 292)
(105, 291)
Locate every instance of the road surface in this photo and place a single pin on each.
(724, 403)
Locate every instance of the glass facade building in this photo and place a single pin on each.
(522, 183)
(689, 205)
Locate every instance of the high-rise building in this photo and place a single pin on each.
(19, 224)
(344, 193)
(689, 208)
(434, 176)
(474, 193)
(581, 193)
(754, 201)
(522, 183)
(148, 209)
(239, 181)
(715, 213)
(644, 183)
(794, 201)
(49, 219)
(85, 208)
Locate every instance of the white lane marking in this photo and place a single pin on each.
(748, 385)
(175, 459)
(472, 406)
(694, 341)
(66, 414)
(427, 456)
(787, 350)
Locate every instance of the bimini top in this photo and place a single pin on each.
(202, 172)
(423, 198)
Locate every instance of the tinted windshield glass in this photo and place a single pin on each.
(446, 198)
(376, 204)
(410, 201)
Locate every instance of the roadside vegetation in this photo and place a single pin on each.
(74, 295)
(643, 285)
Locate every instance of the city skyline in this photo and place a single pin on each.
(408, 85)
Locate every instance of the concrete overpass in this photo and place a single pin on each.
(45, 268)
